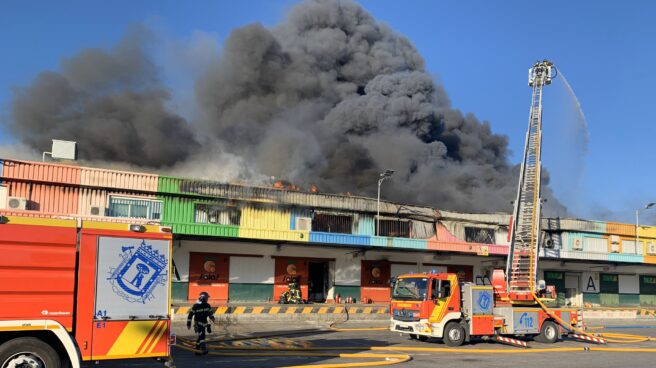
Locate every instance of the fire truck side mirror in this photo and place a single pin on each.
(392, 281)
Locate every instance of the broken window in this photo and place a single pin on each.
(217, 214)
(398, 228)
(332, 223)
(479, 235)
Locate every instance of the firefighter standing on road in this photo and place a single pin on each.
(200, 313)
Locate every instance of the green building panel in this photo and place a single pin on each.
(609, 284)
(648, 300)
(629, 300)
(179, 291)
(346, 291)
(590, 298)
(609, 300)
(557, 279)
(250, 292)
(647, 285)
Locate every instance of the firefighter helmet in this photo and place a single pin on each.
(204, 296)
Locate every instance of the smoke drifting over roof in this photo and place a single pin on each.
(111, 102)
(329, 96)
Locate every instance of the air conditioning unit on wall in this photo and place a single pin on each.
(17, 203)
(97, 211)
(303, 224)
(614, 244)
(651, 249)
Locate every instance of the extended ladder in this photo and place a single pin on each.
(521, 267)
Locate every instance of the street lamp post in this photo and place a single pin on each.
(386, 175)
(647, 206)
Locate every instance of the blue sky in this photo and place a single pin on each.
(479, 50)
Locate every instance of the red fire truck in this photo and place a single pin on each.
(74, 290)
(438, 305)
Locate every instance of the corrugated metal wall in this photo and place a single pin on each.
(36, 171)
(616, 228)
(92, 197)
(206, 188)
(119, 180)
(46, 197)
(255, 217)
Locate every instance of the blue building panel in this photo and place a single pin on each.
(334, 238)
(386, 241)
(631, 258)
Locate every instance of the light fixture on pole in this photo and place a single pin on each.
(386, 175)
(647, 206)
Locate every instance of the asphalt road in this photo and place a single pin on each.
(464, 357)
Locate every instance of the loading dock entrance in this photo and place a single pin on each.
(318, 281)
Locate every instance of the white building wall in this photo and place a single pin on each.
(347, 271)
(629, 284)
(252, 270)
(400, 269)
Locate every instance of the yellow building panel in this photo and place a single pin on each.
(20, 220)
(288, 235)
(265, 218)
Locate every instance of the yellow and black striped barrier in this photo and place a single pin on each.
(648, 312)
(291, 309)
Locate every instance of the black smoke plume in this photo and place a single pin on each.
(329, 96)
(110, 102)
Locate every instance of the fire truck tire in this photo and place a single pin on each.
(549, 333)
(28, 352)
(454, 334)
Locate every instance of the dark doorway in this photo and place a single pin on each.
(318, 281)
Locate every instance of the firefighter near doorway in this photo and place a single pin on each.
(200, 314)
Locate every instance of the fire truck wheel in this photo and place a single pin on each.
(454, 334)
(549, 333)
(28, 352)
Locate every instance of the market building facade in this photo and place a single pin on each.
(242, 242)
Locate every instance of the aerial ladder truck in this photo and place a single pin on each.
(438, 305)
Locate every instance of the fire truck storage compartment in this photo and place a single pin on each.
(478, 305)
(520, 320)
(131, 297)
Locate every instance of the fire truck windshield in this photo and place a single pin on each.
(410, 288)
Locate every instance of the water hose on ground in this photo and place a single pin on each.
(333, 327)
(384, 359)
(609, 337)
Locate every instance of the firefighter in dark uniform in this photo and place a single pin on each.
(200, 313)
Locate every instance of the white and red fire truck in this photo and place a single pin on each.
(74, 290)
(437, 305)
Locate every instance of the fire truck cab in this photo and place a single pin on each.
(73, 290)
(437, 305)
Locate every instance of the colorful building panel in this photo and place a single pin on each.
(221, 213)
